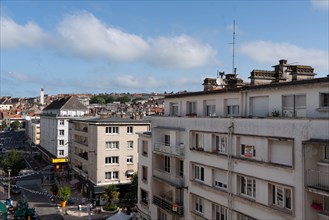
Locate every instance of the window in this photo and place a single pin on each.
(221, 143)
(61, 122)
(220, 212)
(112, 145)
(61, 152)
(111, 160)
(129, 129)
(232, 110)
(324, 100)
(162, 215)
(144, 196)
(191, 108)
(244, 217)
(167, 164)
(61, 142)
(326, 203)
(248, 186)
(198, 141)
(210, 107)
(129, 159)
(144, 173)
(144, 147)
(61, 132)
(294, 105)
(167, 140)
(181, 168)
(112, 130)
(112, 175)
(130, 144)
(198, 204)
(173, 109)
(198, 173)
(281, 197)
(326, 152)
(248, 151)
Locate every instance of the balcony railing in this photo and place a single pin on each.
(172, 150)
(169, 177)
(318, 179)
(173, 208)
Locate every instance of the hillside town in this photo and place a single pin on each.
(233, 150)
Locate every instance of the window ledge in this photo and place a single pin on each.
(323, 214)
(323, 109)
(323, 163)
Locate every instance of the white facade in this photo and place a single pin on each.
(104, 151)
(32, 129)
(230, 159)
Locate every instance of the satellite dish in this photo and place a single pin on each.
(219, 81)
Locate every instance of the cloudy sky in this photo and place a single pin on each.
(152, 46)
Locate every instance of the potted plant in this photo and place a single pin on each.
(275, 113)
(64, 194)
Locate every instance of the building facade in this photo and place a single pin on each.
(54, 138)
(104, 151)
(250, 152)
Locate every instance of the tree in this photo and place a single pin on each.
(3, 124)
(13, 160)
(14, 125)
(109, 99)
(97, 99)
(130, 199)
(123, 99)
(64, 193)
(110, 195)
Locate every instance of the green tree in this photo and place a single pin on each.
(13, 160)
(130, 198)
(3, 125)
(111, 194)
(123, 99)
(109, 99)
(97, 99)
(64, 193)
(14, 125)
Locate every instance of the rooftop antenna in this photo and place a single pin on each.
(233, 68)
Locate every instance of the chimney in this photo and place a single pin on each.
(42, 97)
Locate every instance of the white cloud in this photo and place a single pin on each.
(320, 4)
(89, 37)
(180, 52)
(14, 35)
(267, 52)
(137, 82)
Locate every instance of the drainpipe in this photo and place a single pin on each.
(230, 169)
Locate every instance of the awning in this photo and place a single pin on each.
(74, 181)
(130, 172)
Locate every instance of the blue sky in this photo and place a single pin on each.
(152, 46)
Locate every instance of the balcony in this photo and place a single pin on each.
(173, 208)
(170, 178)
(317, 181)
(171, 150)
(83, 155)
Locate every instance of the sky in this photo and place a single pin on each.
(152, 46)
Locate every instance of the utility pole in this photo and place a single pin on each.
(9, 170)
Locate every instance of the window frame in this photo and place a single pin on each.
(324, 100)
(130, 145)
(61, 152)
(112, 130)
(130, 129)
(244, 187)
(167, 164)
(130, 159)
(232, 110)
(113, 160)
(198, 204)
(112, 145)
(220, 212)
(61, 132)
(250, 153)
(220, 143)
(276, 198)
(198, 173)
(326, 152)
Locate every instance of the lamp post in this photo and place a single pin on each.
(9, 170)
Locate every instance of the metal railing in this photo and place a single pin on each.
(168, 205)
(169, 177)
(318, 179)
(172, 150)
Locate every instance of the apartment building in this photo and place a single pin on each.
(104, 151)
(54, 138)
(258, 151)
(32, 129)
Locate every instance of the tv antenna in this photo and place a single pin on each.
(233, 45)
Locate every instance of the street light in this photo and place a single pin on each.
(9, 170)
